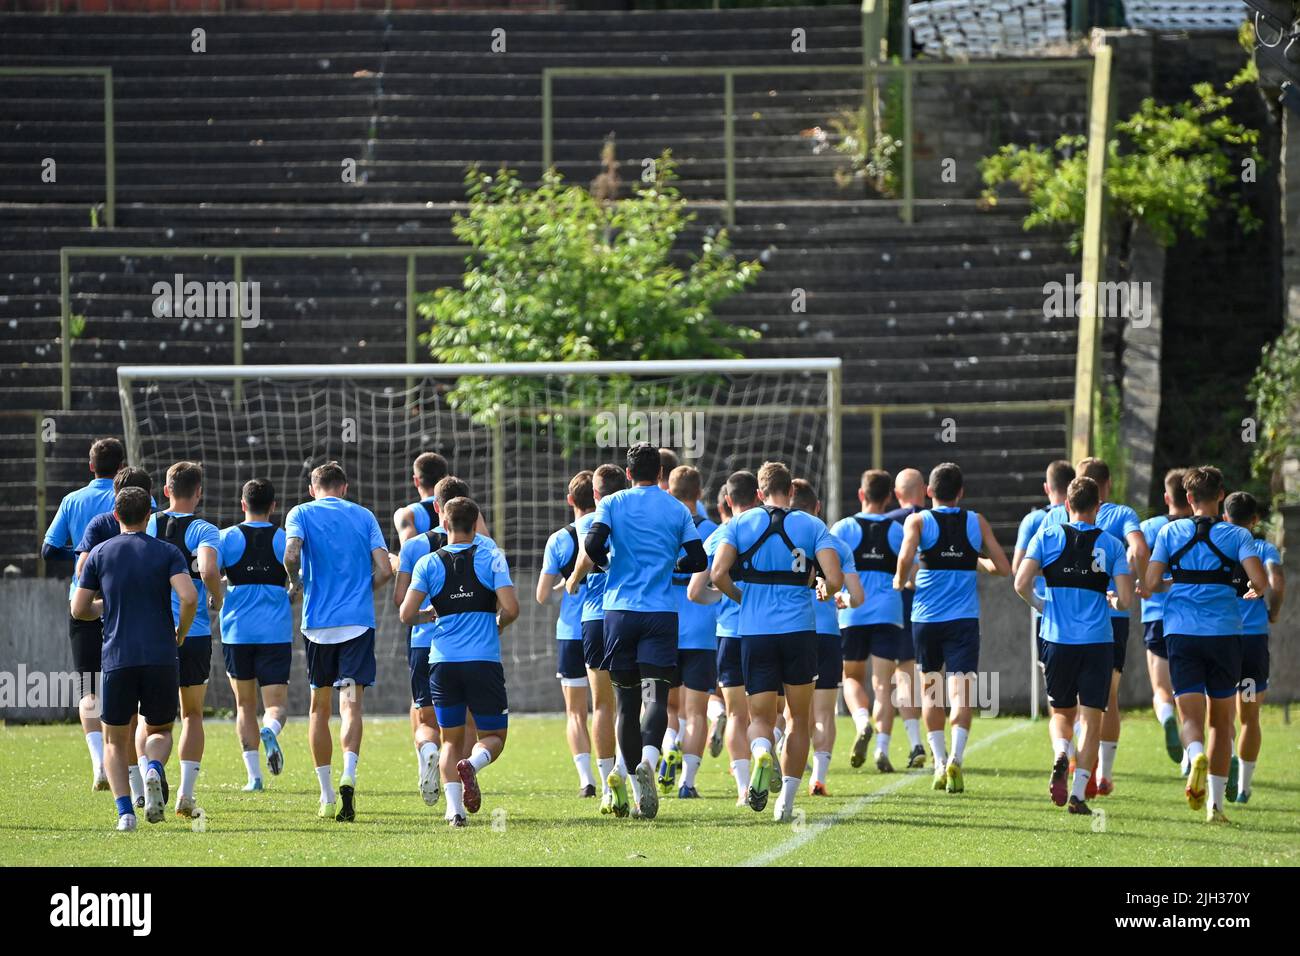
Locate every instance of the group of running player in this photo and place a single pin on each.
(689, 634)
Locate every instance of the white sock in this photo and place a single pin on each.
(1106, 760)
(1164, 710)
(273, 725)
(1247, 775)
(95, 744)
(428, 749)
(189, 777)
(1078, 728)
(789, 787)
(143, 763)
(635, 786)
(1061, 746)
(583, 763)
(777, 734)
(959, 735)
(759, 746)
(861, 719)
(455, 794)
(480, 757)
(1194, 750)
(136, 779)
(938, 746)
(620, 766)
(1218, 789)
(350, 765)
(419, 755)
(882, 743)
(670, 739)
(913, 728)
(821, 764)
(715, 708)
(326, 787)
(1070, 750)
(692, 765)
(606, 765)
(253, 765)
(650, 756)
(1080, 785)
(740, 770)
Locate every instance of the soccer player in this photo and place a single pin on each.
(1242, 510)
(1122, 522)
(199, 541)
(873, 630)
(1057, 481)
(471, 601)
(778, 554)
(418, 517)
(640, 531)
(739, 494)
(133, 578)
(830, 656)
(1085, 571)
(424, 722)
(336, 558)
(668, 461)
(1203, 628)
(257, 628)
(697, 650)
(100, 529)
(909, 492)
(717, 708)
(558, 560)
(87, 636)
(949, 545)
(606, 480)
(1153, 609)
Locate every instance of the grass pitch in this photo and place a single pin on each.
(48, 816)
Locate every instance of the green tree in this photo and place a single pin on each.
(1275, 390)
(1169, 168)
(560, 273)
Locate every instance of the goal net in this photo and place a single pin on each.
(516, 433)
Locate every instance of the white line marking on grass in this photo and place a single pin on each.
(814, 830)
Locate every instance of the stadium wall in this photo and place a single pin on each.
(33, 635)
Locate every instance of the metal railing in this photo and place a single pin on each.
(869, 71)
(239, 254)
(40, 497)
(110, 149)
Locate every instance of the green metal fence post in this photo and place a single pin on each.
(411, 333)
(909, 182)
(65, 331)
(40, 490)
(110, 157)
(877, 438)
(548, 143)
(729, 140)
(239, 327)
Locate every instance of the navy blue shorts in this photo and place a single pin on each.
(593, 644)
(267, 663)
(1204, 665)
(697, 669)
(1119, 640)
(570, 660)
(1077, 674)
(351, 662)
(87, 651)
(953, 646)
(887, 641)
(196, 660)
(1153, 636)
(149, 690)
(636, 638)
(418, 660)
(770, 661)
(1254, 662)
(730, 673)
(830, 662)
(476, 686)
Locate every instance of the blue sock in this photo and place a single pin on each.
(155, 765)
(124, 806)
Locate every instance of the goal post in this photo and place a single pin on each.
(516, 432)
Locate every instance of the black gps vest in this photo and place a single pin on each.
(1226, 574)
(437, 539)
(462, 591)
(567, 567)
(873, 552)
(746, 572)
(430, 511)
(683, 580)
(172, 528)
(952, 550)
(258, 564)
(1074, 567)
